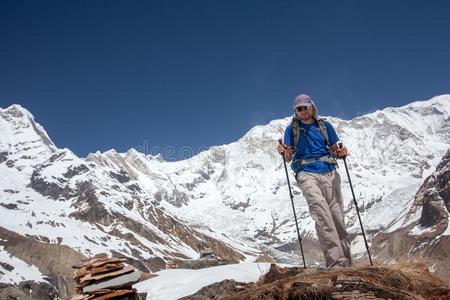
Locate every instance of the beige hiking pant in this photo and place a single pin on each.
(324, 198)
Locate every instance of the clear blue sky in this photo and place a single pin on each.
(113, 74)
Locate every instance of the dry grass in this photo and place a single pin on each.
(400, 281)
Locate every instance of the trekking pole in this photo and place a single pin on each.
(293, 208)
(356, 205)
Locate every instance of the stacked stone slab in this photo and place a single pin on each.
(102, 278)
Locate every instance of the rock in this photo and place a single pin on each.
(437, 196)
(51, 189)
(6, 266)
(39, 290)
(215, 290)
(264, 258)
(121, 280)
(3, 156)
(122, 177)
(9, 205)
(28, 290)
(134, 187)
(71, 172)
(201, 263)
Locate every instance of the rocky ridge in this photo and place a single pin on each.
(422, 233)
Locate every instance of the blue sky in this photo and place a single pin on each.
(144, 74)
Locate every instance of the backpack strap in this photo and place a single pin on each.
(296, 130)
(326, 158)
(323, 129)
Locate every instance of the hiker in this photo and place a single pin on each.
(312, 145)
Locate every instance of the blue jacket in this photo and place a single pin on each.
(311, 145)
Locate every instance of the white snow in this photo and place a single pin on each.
(177, 283)
(418, 230)
(21, 272)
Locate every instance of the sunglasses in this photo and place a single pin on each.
(302, 108)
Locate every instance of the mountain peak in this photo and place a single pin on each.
(440, 99)
(16, 108)
(18, 127)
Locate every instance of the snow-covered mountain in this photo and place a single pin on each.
(231, 198)
(240, 189)
(76, 208)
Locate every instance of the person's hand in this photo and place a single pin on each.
(281, 148)
(289, 153)
(341, 152)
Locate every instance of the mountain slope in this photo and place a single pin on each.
(51, 196)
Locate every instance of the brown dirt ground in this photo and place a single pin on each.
(405, 281)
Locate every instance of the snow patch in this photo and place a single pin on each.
(177, 283)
